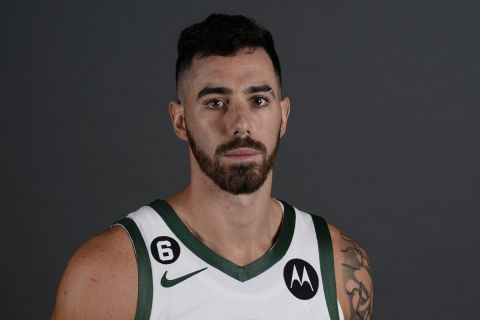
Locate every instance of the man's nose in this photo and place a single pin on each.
(240, 121)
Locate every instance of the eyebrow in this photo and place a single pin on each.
(223, 90)
(255, 89)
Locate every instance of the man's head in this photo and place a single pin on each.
(230, 108)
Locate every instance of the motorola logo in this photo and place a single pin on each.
(301, 279)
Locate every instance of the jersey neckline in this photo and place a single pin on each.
(240, 273)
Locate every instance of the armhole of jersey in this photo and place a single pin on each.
(325, 250)
(145, 285)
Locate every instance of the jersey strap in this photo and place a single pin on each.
(325, 250)
(145, 284)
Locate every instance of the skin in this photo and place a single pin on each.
(100, 281)
(246, 223)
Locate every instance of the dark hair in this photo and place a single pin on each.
(223, 35)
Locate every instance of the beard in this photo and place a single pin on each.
(242, 178)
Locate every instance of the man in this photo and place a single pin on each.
(222, 248)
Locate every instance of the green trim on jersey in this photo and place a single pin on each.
(244, 273)
(145, 284)
(325, 250)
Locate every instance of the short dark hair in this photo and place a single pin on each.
(223, 35)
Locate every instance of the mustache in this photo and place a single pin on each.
(241, 143)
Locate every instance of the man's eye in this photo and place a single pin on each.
(260, 101)
(215, 104)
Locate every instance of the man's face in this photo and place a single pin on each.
(234, 118)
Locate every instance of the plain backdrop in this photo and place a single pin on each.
(383, 138)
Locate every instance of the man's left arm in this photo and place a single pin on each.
(353, 277)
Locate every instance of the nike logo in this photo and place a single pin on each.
(167, 283)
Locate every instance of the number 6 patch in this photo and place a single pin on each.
(165, 249)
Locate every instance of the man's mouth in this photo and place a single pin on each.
(241, 154)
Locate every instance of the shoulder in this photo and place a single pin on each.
(353, 276)
(100, 280)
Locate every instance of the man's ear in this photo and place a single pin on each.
(177, 116)
(285, 108)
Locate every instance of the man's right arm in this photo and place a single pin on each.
(100, 281)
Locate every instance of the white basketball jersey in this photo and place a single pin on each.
(181, 278)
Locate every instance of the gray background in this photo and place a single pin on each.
(383, 138)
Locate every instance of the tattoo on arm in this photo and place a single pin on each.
(356, 267)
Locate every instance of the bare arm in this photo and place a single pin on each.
(100, 281)
(353, 277)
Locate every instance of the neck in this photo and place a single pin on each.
(241, 228)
